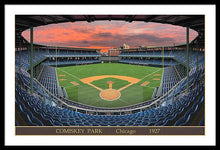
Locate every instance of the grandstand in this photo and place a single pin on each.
(178, 101)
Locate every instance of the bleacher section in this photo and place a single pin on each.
(23, 58)
(64, 57)
(171, 57)
(46, 74)
(174, 62)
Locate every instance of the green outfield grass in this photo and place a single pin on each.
(89, 95)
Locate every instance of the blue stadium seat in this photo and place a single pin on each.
(39, 110)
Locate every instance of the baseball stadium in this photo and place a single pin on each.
(141, 86)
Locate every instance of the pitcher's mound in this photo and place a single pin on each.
(110, 94)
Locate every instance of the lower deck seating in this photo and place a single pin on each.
(170, 79)
(48, 79)
(36, 112)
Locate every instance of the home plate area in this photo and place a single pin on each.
(110, 94)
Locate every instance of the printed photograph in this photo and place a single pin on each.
(109, 74)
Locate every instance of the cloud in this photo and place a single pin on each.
(116, 40)
(148, 38)
(109, 34)
(103, 35)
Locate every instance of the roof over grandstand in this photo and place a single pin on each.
(195, 22)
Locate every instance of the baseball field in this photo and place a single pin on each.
(109, 84)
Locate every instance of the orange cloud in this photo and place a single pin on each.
(105, 34)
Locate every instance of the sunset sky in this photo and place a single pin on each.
(106, 34)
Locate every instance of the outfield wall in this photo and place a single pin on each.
(113, 59)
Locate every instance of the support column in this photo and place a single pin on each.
(19, 50)
(56, 56)
(163, 56)
(187, 56)
(197, 53)
(31, 42)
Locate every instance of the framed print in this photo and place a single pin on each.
(110, 73)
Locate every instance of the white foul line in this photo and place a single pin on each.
(69, 74)
(150, 74)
